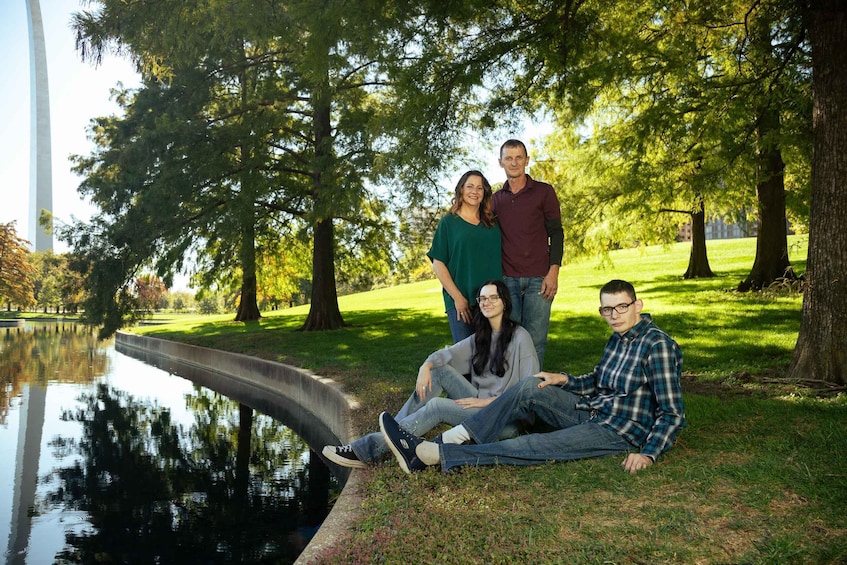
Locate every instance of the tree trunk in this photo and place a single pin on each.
(698, 260)
(771, 260)
(248, 305)
(324, 313)
(821, 350)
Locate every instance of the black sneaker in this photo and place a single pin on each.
(343, 455)
(402, 443)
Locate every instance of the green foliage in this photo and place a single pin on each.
(16, 270)
(181, 301)
(663, 109)
(50, 270)
(254, 123)
(669, 113)
(285, 266)
(151, 292)
(209, 305)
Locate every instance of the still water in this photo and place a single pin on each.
(106, 459)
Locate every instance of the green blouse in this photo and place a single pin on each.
(472, 254)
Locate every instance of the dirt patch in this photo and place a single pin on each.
(761, 386)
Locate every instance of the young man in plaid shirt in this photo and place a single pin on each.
(630, 403)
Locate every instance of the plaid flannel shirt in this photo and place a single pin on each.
(635, 389)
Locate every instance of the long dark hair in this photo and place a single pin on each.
(482, 334)
(486, 215)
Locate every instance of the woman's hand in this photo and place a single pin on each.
(424, 382)
(463, 309)
(472, 402)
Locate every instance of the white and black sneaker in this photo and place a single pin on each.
(402, 443)
(343, 455)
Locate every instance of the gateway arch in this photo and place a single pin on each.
(41, 175)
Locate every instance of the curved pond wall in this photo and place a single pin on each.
(314, 407)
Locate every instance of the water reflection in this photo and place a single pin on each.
(138, 466)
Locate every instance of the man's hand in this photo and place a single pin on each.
(635, 462)
(550, 283)
(551, 378)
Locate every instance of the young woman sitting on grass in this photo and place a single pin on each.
(498, 354)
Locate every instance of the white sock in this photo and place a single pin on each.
(456, 434)
(428, 453)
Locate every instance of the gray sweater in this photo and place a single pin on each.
(521, 361)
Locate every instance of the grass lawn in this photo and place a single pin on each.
(758, 476)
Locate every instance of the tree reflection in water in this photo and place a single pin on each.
(235, 487)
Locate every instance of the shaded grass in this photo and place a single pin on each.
(736, 489)
(755, 478)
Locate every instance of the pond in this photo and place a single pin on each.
(108, 459)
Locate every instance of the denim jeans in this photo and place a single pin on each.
(418, 417)
(531, 310)
(573, 438)
(458, 329)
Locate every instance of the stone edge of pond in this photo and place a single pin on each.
(321, 396)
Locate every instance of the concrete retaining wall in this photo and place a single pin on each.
(278, 388)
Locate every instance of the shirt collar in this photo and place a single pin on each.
(529, 184)
(638, 329)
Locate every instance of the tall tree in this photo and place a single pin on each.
(698, 260)
(16, 270)
(713, 94)
(150, 291)
(50, 269)
(710, 85)
(181, 171)
(253, 115)
(820, 351)
(773, 38)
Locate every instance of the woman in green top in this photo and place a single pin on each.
(465, 250)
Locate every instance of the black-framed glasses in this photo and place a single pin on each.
(494, 299)
(606, 311)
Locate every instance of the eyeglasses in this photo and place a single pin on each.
(606, 311)
(494, 299)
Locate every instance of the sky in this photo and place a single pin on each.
(78, 92)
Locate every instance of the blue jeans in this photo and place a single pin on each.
(418, 417)
(574, 437)
(531, 310)
(458, 329)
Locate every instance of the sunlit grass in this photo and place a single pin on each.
(759, 477)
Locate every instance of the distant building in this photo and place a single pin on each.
(720, 229)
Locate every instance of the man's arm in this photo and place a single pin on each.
(556, 235)
(664, 369)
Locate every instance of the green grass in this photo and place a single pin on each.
(758, 476)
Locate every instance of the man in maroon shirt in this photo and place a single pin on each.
(533, 243)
